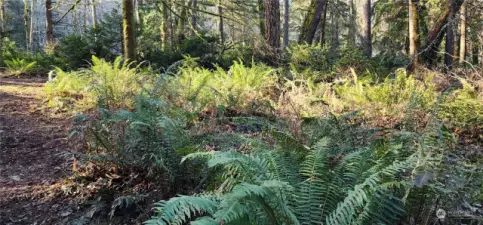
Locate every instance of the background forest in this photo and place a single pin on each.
(255, 111)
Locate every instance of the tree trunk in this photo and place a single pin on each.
(94, 13)
(220, 25)
(435, 36)
(164, 27)
(128, 30)
(322, 26)
(26, 23)
(286, 18)
(182, 21)
(475, 51)
(32, 24)
(272, 23)
(261, 17)
(2, 16)
(194, 18)
(139, 6)
(311, 21)
(352, 24)
(448, 49)
(462, 52)
(49, 31)
(366, 33)
(414, 41)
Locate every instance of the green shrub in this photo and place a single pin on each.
(463, 108)
(111, 85)
(328, 182)
(16, 67)
(241, 88)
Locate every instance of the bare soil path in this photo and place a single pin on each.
(32, 162)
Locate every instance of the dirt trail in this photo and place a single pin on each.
(32, 161)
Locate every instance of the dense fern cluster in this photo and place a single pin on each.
(301, 160)
(329, 182)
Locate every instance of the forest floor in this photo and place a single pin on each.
(32, 165)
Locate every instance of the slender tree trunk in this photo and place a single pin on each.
(2, 16)
(414, 41)
(423, 26)
(128, 30)
(94, 13)
(164, 27)
(366, 33)
(462, 52)
(26, 23)
(311, 21)
(194, 18)
(448, 50)
(272, 23)
(49, 30)
(286, 18)
(138, 4)
(261, 17)
(84, 17)
(475, 48)
(352, 24)
(182, 21)
(32, 25)
(323, 24)
(221, 27)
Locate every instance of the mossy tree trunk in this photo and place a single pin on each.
(94, 13)
(311, 21)
(2, 16)
(49, 30)
(462, 43)
(414, 41)
(128, 30)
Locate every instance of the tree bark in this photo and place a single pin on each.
(414, 41)
(182, 21)
(26, 23)
(128, 30)
(462, 52)
(272, 23)
(220, 25)
(286, 18)
(194, 18)
(311, 21)
(2, 16)
(261, 17)
(352, 24)
(32, 24)
(94, 13)
(435, 36)
(323, 24)
(139, 6)
(448, 49)
(366, 33)
(49, 30)
(164, 27)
